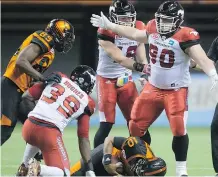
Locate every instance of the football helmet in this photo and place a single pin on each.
(169, 17)
(84, 77)
(133, 156)
(62, 32)
(122, 12)
(148, 167)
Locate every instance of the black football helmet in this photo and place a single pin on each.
(133, 156)
(63, 34)
(148, 167)
(122, 12)
(84, 77)
(169, 17)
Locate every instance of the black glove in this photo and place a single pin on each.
(52, 78)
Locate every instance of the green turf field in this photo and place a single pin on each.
(199, 155)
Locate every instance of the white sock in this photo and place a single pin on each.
(29, 153)
(51, 171)
(181, 168)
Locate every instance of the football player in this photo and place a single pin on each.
(58, 104)
(135, 156)
(213, 54)
(114, 82)
(31, 59)
(171, 47)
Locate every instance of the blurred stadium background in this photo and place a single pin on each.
(20, 18)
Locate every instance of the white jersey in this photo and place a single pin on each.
(169, 62)
(107, 67)
(61, 103)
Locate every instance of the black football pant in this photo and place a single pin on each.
(214, 139)
(78, 169)
(10, 99)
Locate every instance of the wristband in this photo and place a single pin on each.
(89, 166)
(138, 66)
(106, 159)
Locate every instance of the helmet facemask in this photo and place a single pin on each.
(64, 43)
(63, 38)
(167, 24)
(128, 19)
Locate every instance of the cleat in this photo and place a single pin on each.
(22, 170)
(34, 168)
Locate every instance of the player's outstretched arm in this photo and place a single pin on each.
(84, 143)
(116, 54)
(141, 54)
(26, 57)
(125, 31)
(199, 56)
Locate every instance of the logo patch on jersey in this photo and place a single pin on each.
(118, 37)
(155, 36)
(171, 42)
(194, 32)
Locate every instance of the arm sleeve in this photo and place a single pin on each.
(213, 51)
(118, 142)
(36, 90)
(83, 126)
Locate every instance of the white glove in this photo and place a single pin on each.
(214, 78)
(101, 21)
(90, 173)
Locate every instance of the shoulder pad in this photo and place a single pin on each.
(106, 35)
(151, 27)
(140, 25)
(44, 40)
(187, 37)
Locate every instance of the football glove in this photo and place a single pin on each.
(214, 78)
(101, 21)
(90, 173)
(52, 78)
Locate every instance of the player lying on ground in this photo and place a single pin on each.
(126, 156)
(58, 104)
(171, 47)
(114, 82)
(32, 58)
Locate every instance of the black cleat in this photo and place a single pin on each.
(22, 170)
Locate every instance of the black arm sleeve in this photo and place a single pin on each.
(187, 44)
(213, 51)
(118, 142)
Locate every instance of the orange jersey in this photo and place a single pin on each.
(41, 63)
